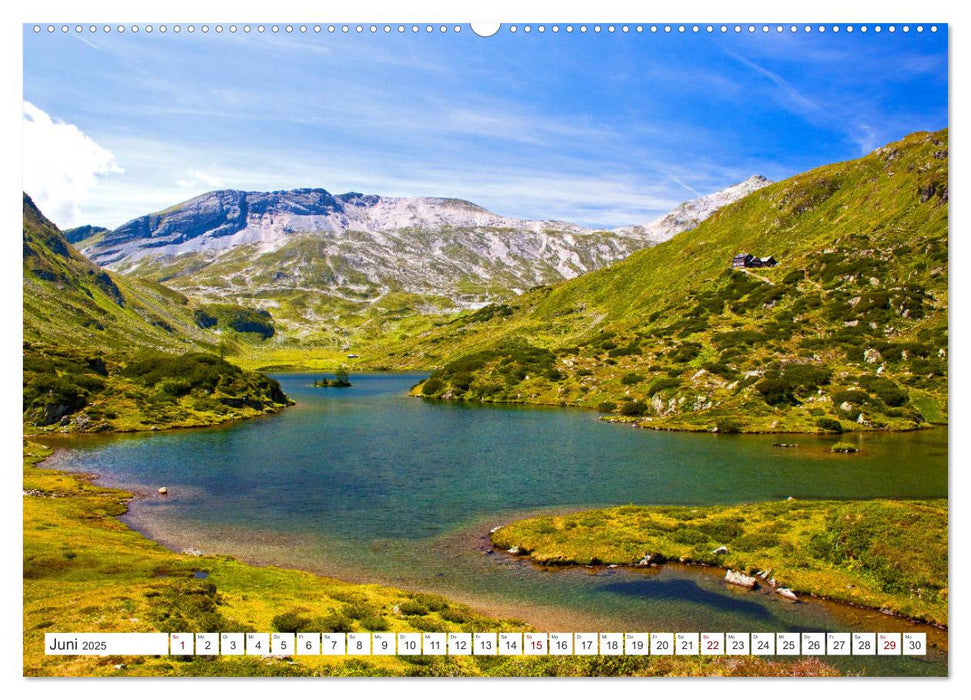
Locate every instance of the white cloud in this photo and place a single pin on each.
(197, 178)
(61, 165)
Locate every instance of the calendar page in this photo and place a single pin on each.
(425, 348)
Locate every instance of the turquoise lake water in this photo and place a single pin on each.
(367, 484)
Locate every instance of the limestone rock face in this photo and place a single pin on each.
(310, 239)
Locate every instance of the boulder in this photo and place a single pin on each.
(650, 560)
(737, 578)
(162, 491)
(872, 355)
(192, 552)
(786, 593)
(720, 550)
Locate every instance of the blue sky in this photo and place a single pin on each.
(599, 129)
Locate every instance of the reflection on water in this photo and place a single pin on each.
(369, 485)
(688, 591)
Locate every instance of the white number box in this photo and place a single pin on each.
(888, 644)
(257, 644)
(409, 643)
(611, 643)
(231, 643)
(585, 644)
(637, 644)
(535, 643)
(283, 643)
(712, 643)
(838, 644)
(382, 644)
(662, 643)
(787, 644)
(864, 644)
(737, 643)
(485, 643)
(207, 644)
(181, 644)
(686, 643)
(511, 643)
(459, 643)
(433, 643)
(561, 643)
(358, 643)
(915, 643)
(763, 643)
(308, 643)
(333, 644)
(813, 643)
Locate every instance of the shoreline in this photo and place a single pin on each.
(494, 615)
(640, 423)
(483, 606)
(698, 565)
(70, 434)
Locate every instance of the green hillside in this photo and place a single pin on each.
(848, 332)
(107, 352)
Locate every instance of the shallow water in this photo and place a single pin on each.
(367, 484)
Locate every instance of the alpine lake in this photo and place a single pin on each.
(367, 484)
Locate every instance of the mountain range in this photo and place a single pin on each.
(313, 259)
(653, 324)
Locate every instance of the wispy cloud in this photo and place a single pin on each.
(791, 97)
(199, 178)
(596, 129)
(86, 41)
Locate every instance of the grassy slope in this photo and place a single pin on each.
(850, 327)
(85, 571)
(87, 331)
(322, 302)
(70, 302)
(882, 554)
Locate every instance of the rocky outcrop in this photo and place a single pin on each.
(688, 215)
(737, 578)
(651, 560)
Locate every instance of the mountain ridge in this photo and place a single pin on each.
(103, 352)
(848, 332)
(228, 212)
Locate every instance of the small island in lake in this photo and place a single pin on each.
(341, 379)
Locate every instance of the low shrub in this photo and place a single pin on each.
(830, 425)
(633, 408)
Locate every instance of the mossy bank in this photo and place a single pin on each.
(883, 554)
